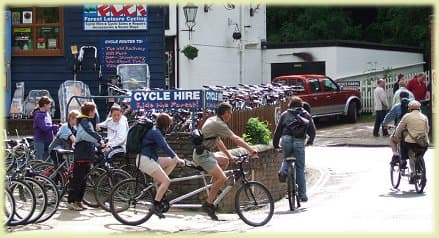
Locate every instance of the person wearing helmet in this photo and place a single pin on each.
(393, 117)
(412, 125)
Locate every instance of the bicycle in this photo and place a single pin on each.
(293, 195)
(131, 200)
(416, 171)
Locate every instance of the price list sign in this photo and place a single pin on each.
(115, 51)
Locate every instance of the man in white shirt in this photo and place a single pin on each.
(381, 107)
(402, 88)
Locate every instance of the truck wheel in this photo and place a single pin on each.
(352, 112)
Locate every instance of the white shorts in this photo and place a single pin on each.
(147, 165)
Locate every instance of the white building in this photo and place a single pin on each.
(221, 59)
(341, 60)
(251, 60)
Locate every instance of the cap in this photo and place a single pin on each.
(414, 105)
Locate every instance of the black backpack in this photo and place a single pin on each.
(136, 134)
(404, 107)
(298, 126)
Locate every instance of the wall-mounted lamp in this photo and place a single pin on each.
(253, 10)
(206, 7)
(190, 13)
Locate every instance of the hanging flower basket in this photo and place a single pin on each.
(190, 52)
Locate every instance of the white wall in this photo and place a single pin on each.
(218, 61)
(346, 63)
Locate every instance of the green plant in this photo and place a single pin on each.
(190, 52)
(257, 132)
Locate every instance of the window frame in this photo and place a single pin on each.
(34, 26)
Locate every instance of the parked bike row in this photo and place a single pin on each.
(35, 188)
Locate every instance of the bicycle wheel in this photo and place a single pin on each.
(420, 175)
(395, 175)
(52, 197)
(9, 206)
(104, 185)
(291, 186)
(254, 203)
(40, 202)
(58, 177)
(25, 202)
(130, 201)
(90, 186)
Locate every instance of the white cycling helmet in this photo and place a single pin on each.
(414, 105)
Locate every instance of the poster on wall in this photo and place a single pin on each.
(118, 17)
(122, 50)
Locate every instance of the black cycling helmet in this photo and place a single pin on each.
(403, 94)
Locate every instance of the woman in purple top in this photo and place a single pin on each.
(43, 128)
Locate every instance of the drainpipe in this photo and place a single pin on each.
(241, 44)
(177, 49)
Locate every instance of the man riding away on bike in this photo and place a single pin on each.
(393, 117)
(294, 144)
(413, 125)
(214, 130)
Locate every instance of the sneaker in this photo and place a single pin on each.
(403, 164)
(73, 207)
(80, 205)
(395, 160)
(282, 177)
(412, 179)
(157, 211)
(210, 209)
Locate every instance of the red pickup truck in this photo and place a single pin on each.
(322, 96)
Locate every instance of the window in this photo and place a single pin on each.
(315, 85)
(329, 85)
(37, 31)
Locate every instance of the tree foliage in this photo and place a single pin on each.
(408, 26)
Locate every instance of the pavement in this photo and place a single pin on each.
(355, 134)
(328, 134)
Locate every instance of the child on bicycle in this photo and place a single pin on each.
(86, 141)
(117, 129)
(65, 137)
(158, 167)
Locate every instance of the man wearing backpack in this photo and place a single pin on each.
(394, 116)
(293, 143)
(214, 130)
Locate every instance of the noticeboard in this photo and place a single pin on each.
(175, 99)
(115, 51)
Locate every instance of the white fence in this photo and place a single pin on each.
(367, 87)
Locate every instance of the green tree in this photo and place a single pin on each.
(287, 23)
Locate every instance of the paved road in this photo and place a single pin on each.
(351, 194)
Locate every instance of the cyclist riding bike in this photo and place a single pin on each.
(393, 117)
(413, 131)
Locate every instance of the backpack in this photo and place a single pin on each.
(404, 107)
(298, 126)
(136, 134)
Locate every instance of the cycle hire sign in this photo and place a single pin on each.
(175, 99)
(118, 17)
(166, 99)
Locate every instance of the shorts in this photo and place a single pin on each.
(206, 160)
(147, 165)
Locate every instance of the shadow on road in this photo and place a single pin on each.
(396, 193)
(299, 210)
